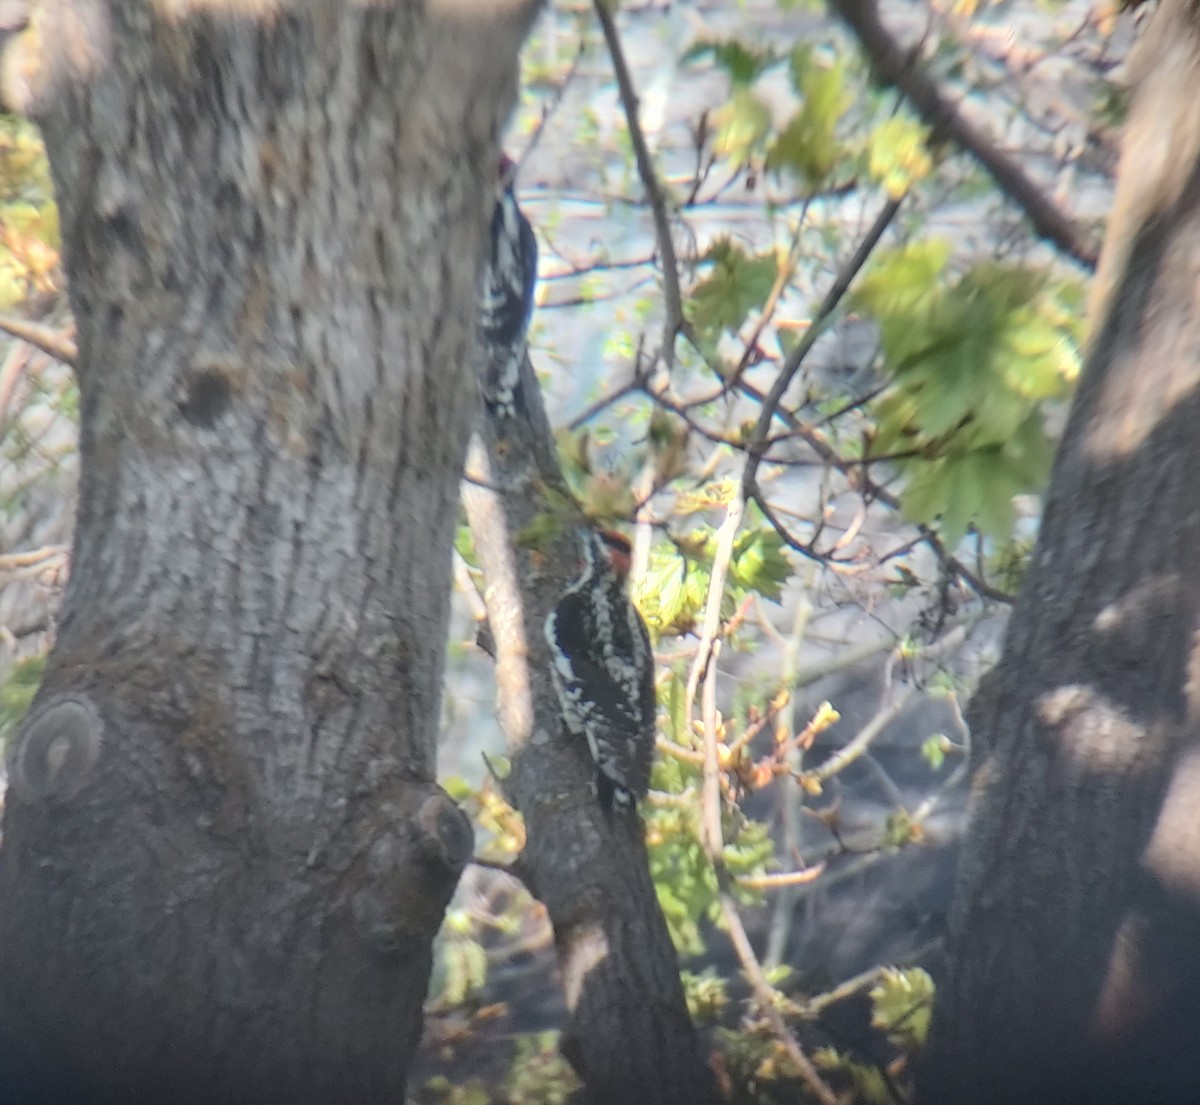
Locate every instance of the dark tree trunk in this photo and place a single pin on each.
(1075, 942)
(224, 854)
(629, 1035)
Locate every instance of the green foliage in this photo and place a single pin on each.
(17, 692)
(902, 1005)
(684, 877)
(675, 587)
(1008, 563)
(807, 145)
(757, 1069)
(29, 233)
(759, 564)
(933, 751)
(737, 284)
(707, 995)
(898, 156)
(439, 1090)
(899, 829)
(971, 359)
(742, 124)
(463, 960)
(870, 1087)
(539, 1074)
(742, 63)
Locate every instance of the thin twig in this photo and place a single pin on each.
(782, 880)
(11, 562)
(468, 590)
(650, 181)
(860, 480)
(897, 67)
(553, 103)
(603, 403)
(790, 797)
(710, 629)
(710, 794)
(782, 279)
(10, 372)
(850, 751)
(57, 345)
(765, 994)
(818, 1004)
(839, 287)
(705, 665)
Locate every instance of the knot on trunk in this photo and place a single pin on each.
(411, 867)
(446, 835)
(55, 752)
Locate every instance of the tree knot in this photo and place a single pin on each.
(53, 755)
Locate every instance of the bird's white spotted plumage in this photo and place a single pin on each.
(603, 670)
(506, 298)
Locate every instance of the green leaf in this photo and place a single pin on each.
(759, 563)
(933, 750)
(458, 788)
(807, 145)
(706, 995)
(902, 1004)
(870, 1087)
(737, 284)
(743, 64)
(741, 126)
(972, 360)
(897, 155)
(663, 595)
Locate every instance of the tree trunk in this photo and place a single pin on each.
(629, 1035)
(224, 854)
(1075, 934)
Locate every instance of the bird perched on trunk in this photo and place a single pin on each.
(506, 302)
(603, 669)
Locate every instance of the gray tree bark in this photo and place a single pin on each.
(628, 1035)
(224, 854)
(1075, 933)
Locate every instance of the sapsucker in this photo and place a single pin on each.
(603, 669)
(506, 302)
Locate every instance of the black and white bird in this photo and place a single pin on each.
(506, 302)
(603, 669)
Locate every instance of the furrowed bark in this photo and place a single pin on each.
(224, 854)
(629, 1036)
(1075, 942)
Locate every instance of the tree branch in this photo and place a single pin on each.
(839, 287)
(898, 68)
(56, 344)
(765, 995)
(628, 1035)
(650, 181)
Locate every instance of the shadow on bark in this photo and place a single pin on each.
(1075, 935)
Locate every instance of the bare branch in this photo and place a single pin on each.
(650, 181)
(52, 342)
(766, 995)
(899, 68)
(705, 659)
(851, 751)
(791, 366)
